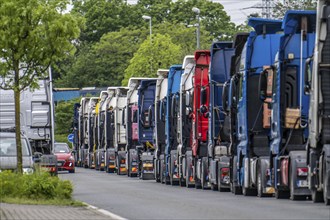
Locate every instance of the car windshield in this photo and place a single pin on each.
(61, 148)
(8, 147)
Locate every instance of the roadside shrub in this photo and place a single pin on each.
(38, 186)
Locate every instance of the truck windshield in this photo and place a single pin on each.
(8, 147)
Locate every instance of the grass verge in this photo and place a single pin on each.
(39, 188)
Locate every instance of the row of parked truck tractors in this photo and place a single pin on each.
(250, 116)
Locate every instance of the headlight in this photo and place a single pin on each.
(27, 170)
(71, 158)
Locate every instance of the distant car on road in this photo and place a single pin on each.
(65, 159)
(8, 153)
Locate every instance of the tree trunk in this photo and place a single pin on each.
(17, 97)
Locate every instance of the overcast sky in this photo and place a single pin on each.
(236, 9)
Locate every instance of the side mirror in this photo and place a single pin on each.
(188, 111)
(233, 92)
(150, 115)
(162, 110)
(225, 93)
(187, 98)
(263, 85)
(203, 96)
(308, 75)
(123, 117)
(73, 151)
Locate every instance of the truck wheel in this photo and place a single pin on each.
(260, 184)
(197, 181)
(118, 165)
(281, 194)
(326, 181)
(170, 172)
(249, 191)
(203, 174)
(236, 189)
(161, 172)
(316, 196)
(187, 173)
(156, 173)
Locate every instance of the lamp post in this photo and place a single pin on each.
(197, 11)
(146, 17)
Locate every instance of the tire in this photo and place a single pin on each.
(72, 171)
(249, 191)
(197, 181)
(161, 173)
(260, 184)
(187, 173)
(325, 183)
(157, 177)
(281, 194)
(172, 182)
(316, 196)
(203, 174)
(236, 190)
(117, 165)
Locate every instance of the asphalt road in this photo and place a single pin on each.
(132, 198)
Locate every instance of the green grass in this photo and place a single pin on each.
(37, 188)
(56, 202)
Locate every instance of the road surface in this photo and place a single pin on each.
(132, 198)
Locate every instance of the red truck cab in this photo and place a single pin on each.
(200, 112)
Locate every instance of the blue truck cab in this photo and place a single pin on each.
(145, 149)
(229, 107)
(218, 141)
(252, 136)
(171, 124)
(289, 104)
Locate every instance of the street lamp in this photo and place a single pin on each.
(146, 17)
(197, 11)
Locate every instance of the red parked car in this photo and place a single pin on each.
(65, 159)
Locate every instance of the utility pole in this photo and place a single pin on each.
(266, 7)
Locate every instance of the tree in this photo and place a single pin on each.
(103, 63)
(280, 8)
(161, 53)
(34, 35)
(213, 17)
(103, 16)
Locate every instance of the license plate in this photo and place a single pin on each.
(302, 183)
(148, 171)
(59, 164)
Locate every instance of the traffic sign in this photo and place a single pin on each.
(70, 138)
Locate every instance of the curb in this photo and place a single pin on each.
(105, 212)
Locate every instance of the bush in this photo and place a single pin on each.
(38, 186)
